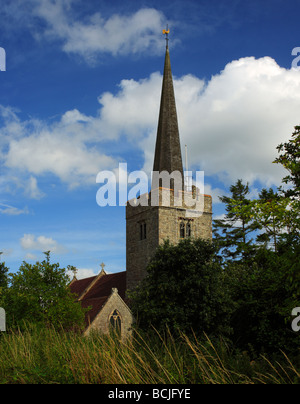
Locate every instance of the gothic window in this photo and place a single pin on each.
(188, 229)
(182, 230)
(185, 229)
(115, 322)
(143, 231)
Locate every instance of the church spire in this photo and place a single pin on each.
(167, 150)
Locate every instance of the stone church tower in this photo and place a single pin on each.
(169, 211)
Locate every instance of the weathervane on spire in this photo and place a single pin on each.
(166, 32)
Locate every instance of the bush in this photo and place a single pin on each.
(185, 289)
(39, 293)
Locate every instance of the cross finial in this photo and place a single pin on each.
(166, 32)
(102, 266)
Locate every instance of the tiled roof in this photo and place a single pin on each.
(105, 284)
(97, 295)
(79, 286)
(96, 305)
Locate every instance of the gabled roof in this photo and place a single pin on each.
(105, 283)
(95, 290)
(79, 286)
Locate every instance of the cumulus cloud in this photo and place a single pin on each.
(234, 123)
(133, 110)
(62, 149)
(231, 124)
(41, 243)
(93, 35)
(69, 160)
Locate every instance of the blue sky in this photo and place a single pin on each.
(81, 94)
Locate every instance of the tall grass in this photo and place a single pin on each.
(49, 356)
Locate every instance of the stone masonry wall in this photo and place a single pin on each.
(101, 322)
(162, 222)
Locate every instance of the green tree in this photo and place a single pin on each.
(290, 160)
(233, 232)
(3, 274)
(3, 279)
(185, 289)
(264, 297)
(270, 214)
(39, 293)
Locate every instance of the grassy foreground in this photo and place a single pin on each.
(48, 356)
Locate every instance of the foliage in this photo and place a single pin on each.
(239, 287)
(48, 355)
(245, 284)
(185, 289)
(290, 160)
(39, 293)
(264, 300)
(3, 277)
(233, 233)
(271, 214)
(265, 285)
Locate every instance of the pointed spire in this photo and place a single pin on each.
(167, 150)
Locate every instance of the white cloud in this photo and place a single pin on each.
(215, 193)
(41, 243)
(133, 110)
(12, 210)
(87, 37)
(231, 125)
(32, 189)
(71, 161)
(82, 273)
(61, 149)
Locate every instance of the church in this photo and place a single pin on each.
(148, 224)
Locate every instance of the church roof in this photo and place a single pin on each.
(105, 283)
(78, 286)
(167, 149)
(95, 290)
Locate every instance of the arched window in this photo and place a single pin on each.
(115, 322)
(188, 229)
(182, 230)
